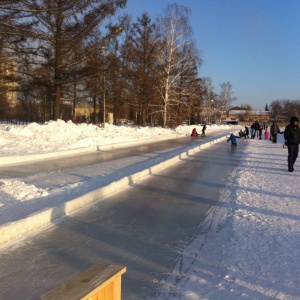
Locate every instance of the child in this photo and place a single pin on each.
(194, 132)
(241, 133)
(252, 133)
(246, 132)
(266, 134)
(232, 138)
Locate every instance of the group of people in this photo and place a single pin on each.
(257, 130)
(291, 136)
(195, 133)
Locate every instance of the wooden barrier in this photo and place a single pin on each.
(100, 282)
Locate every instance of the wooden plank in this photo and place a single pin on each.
(87, 284)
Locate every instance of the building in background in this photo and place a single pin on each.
(250, 116)
(8, 85)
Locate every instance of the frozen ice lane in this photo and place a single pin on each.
(145, 228)
(90, 158)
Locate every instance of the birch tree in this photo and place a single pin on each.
(174, 54)
(226, 95)
(187, 94)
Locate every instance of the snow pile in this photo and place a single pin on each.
(15, 190)
(56, 136)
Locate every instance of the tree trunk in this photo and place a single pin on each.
(58, 61)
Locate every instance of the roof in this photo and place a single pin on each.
(250, 112)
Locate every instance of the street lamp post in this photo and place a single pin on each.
(221, 114)
(210, 111)
(103, 48)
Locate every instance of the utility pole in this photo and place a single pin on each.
(103, 84)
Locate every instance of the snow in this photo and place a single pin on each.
(61, 136)
(251, 249)
(34, 140)
(250, 246)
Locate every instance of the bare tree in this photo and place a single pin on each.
(139, 51)
(60, 26)
(186, 102)
(208, 96)
(176, 36)
(276, 108)
(284, 109)
(226, 97)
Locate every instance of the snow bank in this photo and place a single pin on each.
(57, 136)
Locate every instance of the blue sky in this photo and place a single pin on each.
(253, 44)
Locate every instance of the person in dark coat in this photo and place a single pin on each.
(260, 130)
(256, 127)
(273, 131)
(246, 132)
(292, 137)
(241, 133)
(203, 130)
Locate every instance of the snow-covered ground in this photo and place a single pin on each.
(251, 245)
(58, 135)
(26, 142)
(252, 248)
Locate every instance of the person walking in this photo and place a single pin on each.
(273, 131)
(292, 137)
(256, 127)
(252, 130)
(246, 132)
(203, 130)
(260, 130)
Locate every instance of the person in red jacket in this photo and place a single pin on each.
(194, 132)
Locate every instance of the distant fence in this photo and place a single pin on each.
(17, 120)
(13, 120)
